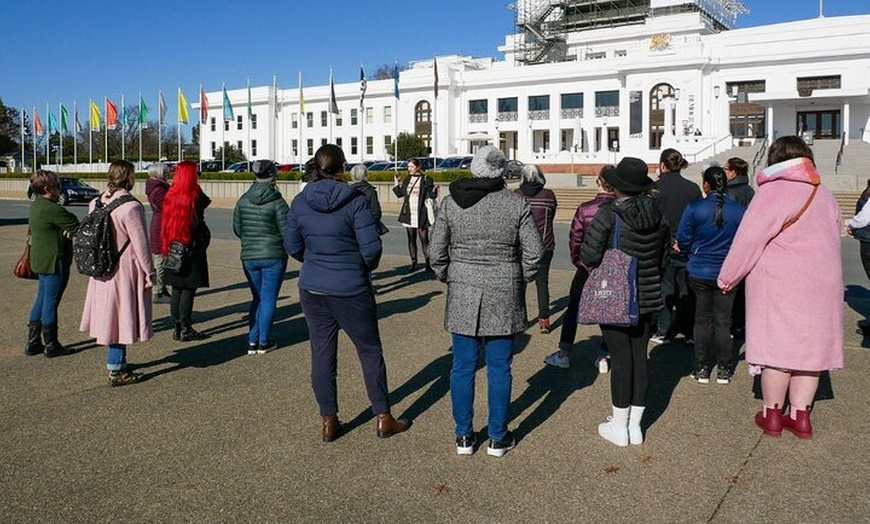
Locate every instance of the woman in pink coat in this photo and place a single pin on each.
(788, 249)
(118, 309)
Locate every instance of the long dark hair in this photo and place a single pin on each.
(715, 177)
(789, 147)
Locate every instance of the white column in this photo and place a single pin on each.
(769, 119)
(846, 116)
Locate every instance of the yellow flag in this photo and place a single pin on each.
(301, 97)
(182, 108)
(95, 116)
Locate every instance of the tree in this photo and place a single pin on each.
(233, 155)
(10, 129)
(385, 71)
(410, 146)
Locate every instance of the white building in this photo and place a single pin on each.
(586, 82)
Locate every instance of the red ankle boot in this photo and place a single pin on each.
(770, 420)
(800, 426)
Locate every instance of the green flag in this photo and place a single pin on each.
(63, 126)
(143, 113)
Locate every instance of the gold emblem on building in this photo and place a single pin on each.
(660, 42)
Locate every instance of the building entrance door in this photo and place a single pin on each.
(822, 124)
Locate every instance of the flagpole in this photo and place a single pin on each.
(435, 115)
(47, 134)
(275, 126)
(159, 126)
(250, 112)
(396, 118)
(223, 129)
(301, 116)
(331, 90)
(178, 126)
(76, 135)
(22, 126)
(60, 135)
(139, 118)
(123, 128)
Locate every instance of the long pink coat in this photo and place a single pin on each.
(794, 279)
(118, 309)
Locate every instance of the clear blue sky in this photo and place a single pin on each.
(60, 50)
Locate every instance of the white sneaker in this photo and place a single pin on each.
(603, 365)
(659, 339)
(557, 360)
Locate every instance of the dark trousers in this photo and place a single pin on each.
(712, 324)
(181, 305)
(628, 362)
(358, 317)
(865, 257)
(738, 312)
(542, 284)
(678, 315)
(569, 321)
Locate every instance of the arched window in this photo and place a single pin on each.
(657, 107)
(423, 122)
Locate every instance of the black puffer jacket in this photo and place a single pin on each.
(643, 234)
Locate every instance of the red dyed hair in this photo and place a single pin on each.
(179, 206)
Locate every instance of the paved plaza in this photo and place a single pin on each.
(215, 435)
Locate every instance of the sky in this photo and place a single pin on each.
(58, 51)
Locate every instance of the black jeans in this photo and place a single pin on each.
(712, 324)
(569, 321)
(542, 283)
(628, 361)
(678, 314)
(181, 305)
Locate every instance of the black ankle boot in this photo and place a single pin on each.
(413, 266)
(189, 334)
(176, 333)
(53, 348)
(34, 339)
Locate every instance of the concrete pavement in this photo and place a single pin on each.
(214, 435)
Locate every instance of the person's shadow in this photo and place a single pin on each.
(858, 298)
(667, 365)
(405, 305)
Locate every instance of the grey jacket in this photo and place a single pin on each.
(485, 252)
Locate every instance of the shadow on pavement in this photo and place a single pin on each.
(13, 221)
(668, 364)
(404, 305)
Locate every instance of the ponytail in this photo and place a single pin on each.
(715, 177)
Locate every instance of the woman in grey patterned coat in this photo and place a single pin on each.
(485, 246)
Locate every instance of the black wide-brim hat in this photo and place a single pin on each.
(630, 176)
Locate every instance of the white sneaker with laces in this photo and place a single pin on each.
(557, 360)
(603, 364)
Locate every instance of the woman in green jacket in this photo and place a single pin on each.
(51, 231)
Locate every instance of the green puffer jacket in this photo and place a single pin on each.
(258, 221)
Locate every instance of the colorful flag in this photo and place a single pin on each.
(37, 124)
(363, 85)
(203, 106)
(435, 67)
(228, 108)
(183, 115)
(125, 118)
(143, 113)
(63, 117)
(25, 123)
(275, 94)
(333, 103)
(96, 118)
(250, 108)
(52, 123)
(111, 114)
(301, 97)
(396, 80)
(161, 108)
(78, 122)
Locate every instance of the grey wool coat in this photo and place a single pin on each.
(485, 253)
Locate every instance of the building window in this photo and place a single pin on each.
(478, 111)
(338, 119)
(253, 121)
(324, 119)
(213, 145)
(607, 103)
(539, 107)
(226, 125)
(598, 55)
(619, 53)
(388, 114)
(746, 120)
(353, 117)
(507, 109)
(294, 120)
(310, 147)
(423, 122)
(212, 123)
(739, 90)
(370, 115)
(657, 108)
(370, 145)
(322, 142)
(239, 145)
(294, 147)
(572, 105)
(309, 119)
(338, 142)
(239, 124)
(806, 86)
(253, 148)
(353, 145)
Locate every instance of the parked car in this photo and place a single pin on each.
(238, 167)
(402, 165)
(428, 162)
(454, 162)
(286, 168)
(210, 166)
(513, 170)
(72, 189)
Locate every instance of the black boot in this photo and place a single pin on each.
(34, 339)
(53, 348)
(189, 334)
(176, 333)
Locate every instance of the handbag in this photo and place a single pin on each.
(177, 257)
(382, 228)
(610, 294)
(22, 267)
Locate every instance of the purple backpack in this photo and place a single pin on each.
(610, 294)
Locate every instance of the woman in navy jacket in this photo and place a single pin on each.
(331, 230)
(706, 231)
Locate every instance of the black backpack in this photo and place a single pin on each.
(94, 248)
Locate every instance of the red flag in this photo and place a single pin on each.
(37, 124)
(203, 106)
(111, 114)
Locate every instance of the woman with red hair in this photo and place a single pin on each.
(184, 222)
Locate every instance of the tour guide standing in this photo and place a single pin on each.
(486, 246)
(331, 230)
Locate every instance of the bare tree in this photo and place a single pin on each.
(387, 71)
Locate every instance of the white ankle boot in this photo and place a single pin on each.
(616, 428)
(635, 435)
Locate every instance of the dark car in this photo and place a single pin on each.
(210, 166)
(513, 169)
(72, 189)
(454, 162)
(428, 162)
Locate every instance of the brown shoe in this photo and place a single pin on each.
(331, 428)
(388, 426)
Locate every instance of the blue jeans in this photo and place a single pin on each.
(499, 355)
(49, 292)
(265, 278)
(116, 358)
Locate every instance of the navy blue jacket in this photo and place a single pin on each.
(331, 230)
(702, 240)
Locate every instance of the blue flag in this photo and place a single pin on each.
(228, 107)
(396, 80)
